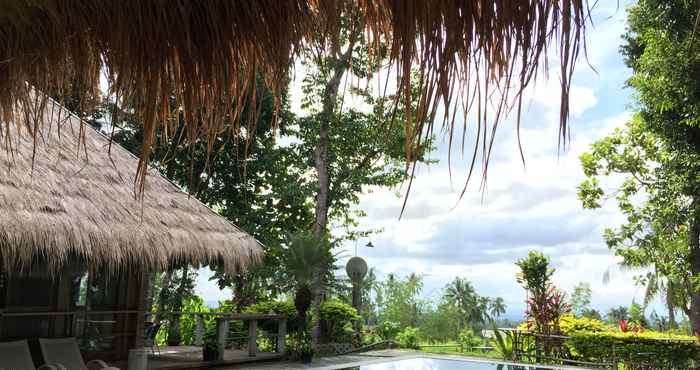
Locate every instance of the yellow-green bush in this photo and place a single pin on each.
(569, 324)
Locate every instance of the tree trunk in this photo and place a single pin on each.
(694, 246)
(670, 289)
(340, 64)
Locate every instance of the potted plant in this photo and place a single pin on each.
(306, 350)
(210, 347)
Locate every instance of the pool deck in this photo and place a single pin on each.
(368, 358)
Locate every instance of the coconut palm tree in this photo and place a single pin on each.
(497, 307)
(460, 292)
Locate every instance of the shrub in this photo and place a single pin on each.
(468, 339)
(408, 338)
(388, 330)
(283, 308)
(570, 324)
(663, 350)
(275, 307)
(337, 320)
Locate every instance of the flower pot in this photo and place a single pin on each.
(306, 358)
(210, 354)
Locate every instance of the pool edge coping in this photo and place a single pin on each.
(415, 355)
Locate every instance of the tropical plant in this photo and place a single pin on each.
(300, 346)
(616, 314)
(461, 293)
(503, 343)
(408, 338)
(545, 309)
(337, 320)
(535, 272)
(388, 330)
(468, 339)
(497, 307)
(305, 260)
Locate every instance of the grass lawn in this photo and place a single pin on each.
(453, 349)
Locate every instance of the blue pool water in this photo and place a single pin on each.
(439, 364)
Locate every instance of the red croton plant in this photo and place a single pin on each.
(631, 327)
(544, 310)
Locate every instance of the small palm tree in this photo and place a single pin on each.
(305, 260)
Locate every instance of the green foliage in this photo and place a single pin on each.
(337, 319)
(388, 330)
(503, 343)
(408, 338)
(535, 272)
(285, 308)
(650, 166)
(210, 339)
(299, 344)
(472, 308)
(570, 324)
(581, 297)
(616, 314)
(468, 339)
(663, 350)
(188, 323)
(398, 299)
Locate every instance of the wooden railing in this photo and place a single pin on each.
(223, 321)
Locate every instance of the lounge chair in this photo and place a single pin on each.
(65, 352)
(16, 356)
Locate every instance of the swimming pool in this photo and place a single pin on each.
(440, 364)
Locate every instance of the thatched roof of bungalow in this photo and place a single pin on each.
(473, 55)
(72, 196)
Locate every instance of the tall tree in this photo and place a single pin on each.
(654, 196)
(662, 49)
(375, 143)
(581, 297)
(497, 307)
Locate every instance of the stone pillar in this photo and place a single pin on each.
(281, 336)
(253, 338)
(221, 336)
(199, 330)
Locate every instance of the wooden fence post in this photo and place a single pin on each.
(252, 338)
(221, 336)
(281, 336)
(199, 330)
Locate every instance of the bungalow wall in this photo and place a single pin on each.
(105, 312)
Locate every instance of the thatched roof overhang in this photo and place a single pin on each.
(475, 54)
(67, 196)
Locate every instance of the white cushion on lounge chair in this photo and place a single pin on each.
(16, 356)
(65, 352)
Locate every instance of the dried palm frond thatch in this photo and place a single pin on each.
(473, 55)
(65, 199)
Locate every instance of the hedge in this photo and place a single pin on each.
(659, 349)
(592, 340)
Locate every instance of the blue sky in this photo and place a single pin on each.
(523, 208)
